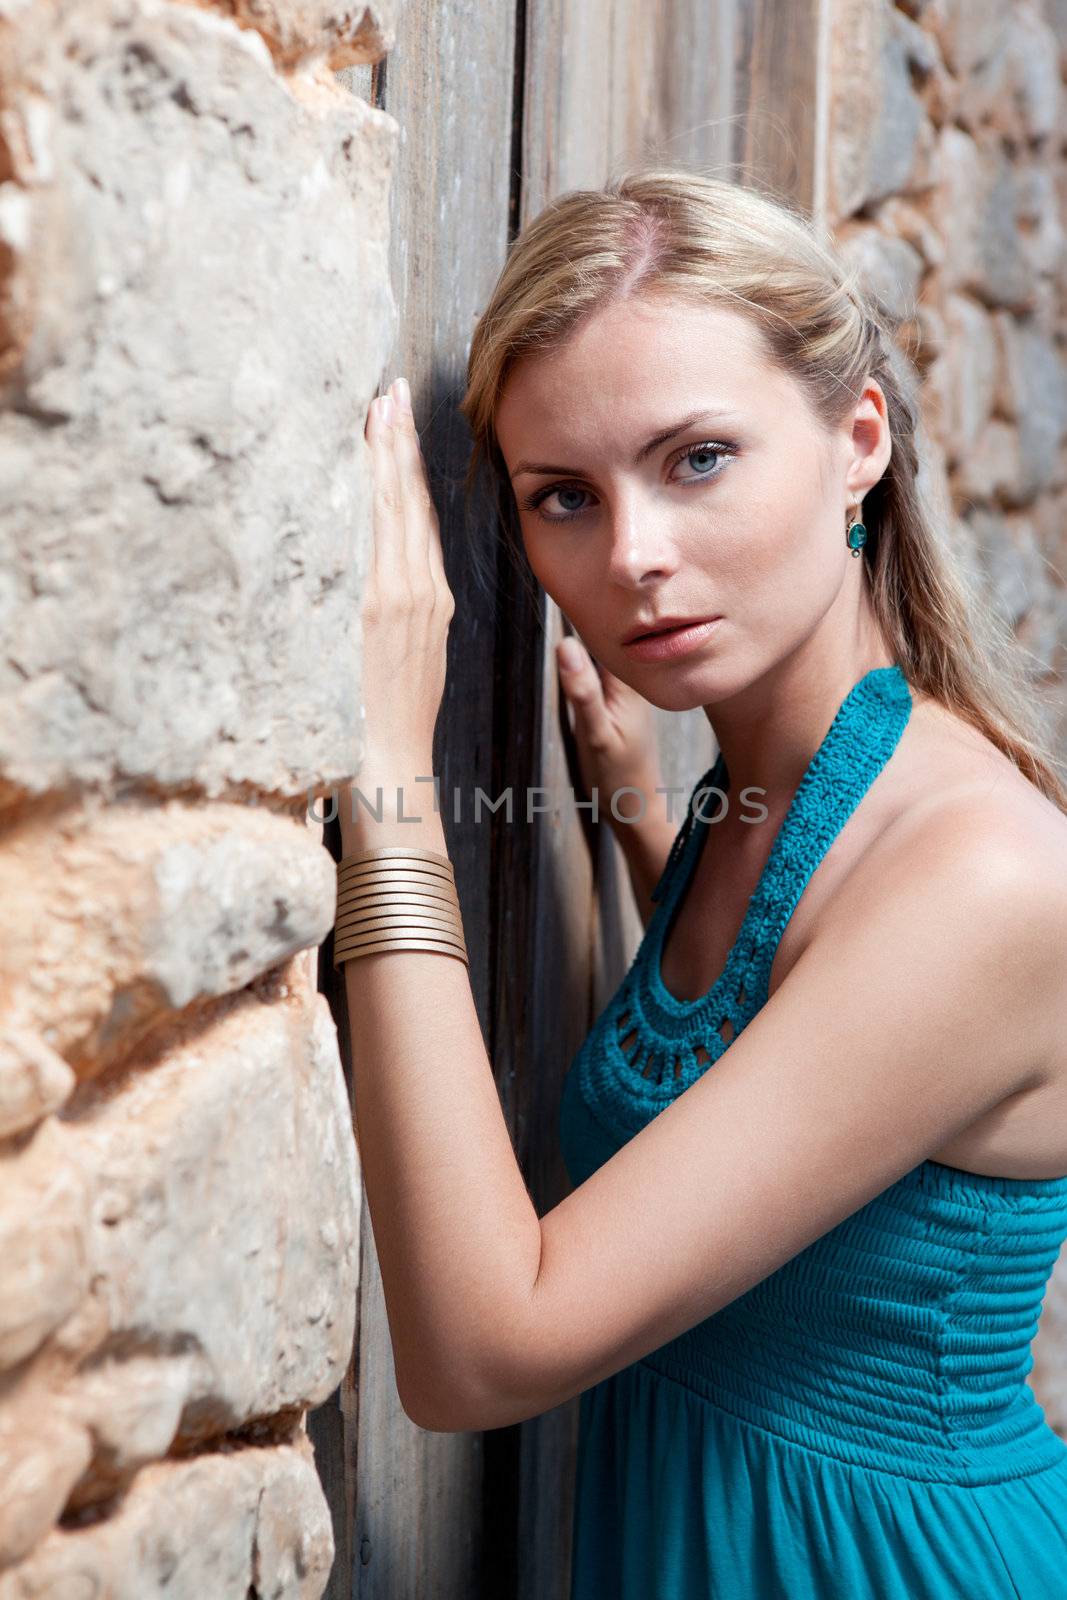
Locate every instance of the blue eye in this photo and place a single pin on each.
(704, 453)
(707, 458)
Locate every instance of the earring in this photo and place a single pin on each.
(856, 536)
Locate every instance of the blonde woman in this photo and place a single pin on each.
(818, 1137)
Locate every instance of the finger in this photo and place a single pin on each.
(583, 688)
(390, 557)
(418, 509)
(420, 515)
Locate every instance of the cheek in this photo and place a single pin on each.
(555, 569)
(770, 550)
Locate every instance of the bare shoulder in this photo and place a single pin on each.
(971, 829)
(967, 803)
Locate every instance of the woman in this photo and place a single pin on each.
(796, 1292)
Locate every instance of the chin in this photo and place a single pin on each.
(672, 691)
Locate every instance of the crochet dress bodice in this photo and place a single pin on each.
(859, 1422)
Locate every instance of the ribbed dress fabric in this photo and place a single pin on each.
(857, 1426)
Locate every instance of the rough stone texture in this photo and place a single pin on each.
(979, 198)
(44, 1246)
(223, 1526)
(179, 1251)
(194, 312)
(1033, 394)
(34, 1080)
(302, 31)
(121, 913)
(888, 267)
(182, 455)
(961, 383)
(874, 51)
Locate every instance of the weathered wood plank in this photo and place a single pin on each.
(416, 1496)
(448, 82)
(777, 97)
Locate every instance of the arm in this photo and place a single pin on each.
(646, 844)
(922, 1004)
(456, 1232)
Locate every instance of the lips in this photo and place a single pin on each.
(665, 625)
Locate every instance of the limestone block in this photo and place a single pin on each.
(961, 383)
(888, 269)
(222, 1526)
(182, 459)
(224, 1224)
(43, 1453)
(878, 122)
(970, 32)
(120, 914)
(44, 1268)
(1012, 560)
(298, 30)
(992, 468)
(34, 1080)
(906, 221)
(1033, 74)
(1039, 213)
(978, 204)
(1033, 391)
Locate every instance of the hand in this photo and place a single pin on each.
(407, 603)
(615, 731)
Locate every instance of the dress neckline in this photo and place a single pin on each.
(862, 735)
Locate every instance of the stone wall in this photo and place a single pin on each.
(947, 161)
(194, 314)
(948, 188)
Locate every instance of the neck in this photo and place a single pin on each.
(769, 731)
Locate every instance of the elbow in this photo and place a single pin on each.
(429, 1406)
(444, 1406)
(439, 1404)
(486, 1383)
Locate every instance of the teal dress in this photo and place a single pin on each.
(859, 1423)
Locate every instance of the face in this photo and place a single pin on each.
(664, 465)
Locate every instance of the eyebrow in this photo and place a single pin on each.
(547, 470)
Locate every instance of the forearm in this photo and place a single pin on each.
(457, 1235)
(646, 842)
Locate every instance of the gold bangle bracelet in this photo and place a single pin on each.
(441, 909)
(403, 944)
(444, 905)
(380, 871)
(412, 940)
(397, 898)
(418, 880)
(413, 930)
(398, 919)
(391, 852)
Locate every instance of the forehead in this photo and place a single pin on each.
(639, 364)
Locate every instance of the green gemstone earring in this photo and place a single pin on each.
(856, 536)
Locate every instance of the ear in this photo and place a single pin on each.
(869, 443)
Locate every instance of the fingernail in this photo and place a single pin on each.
(570, 654)
(403, 394)
(385, 409)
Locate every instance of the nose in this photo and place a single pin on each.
(641, 540)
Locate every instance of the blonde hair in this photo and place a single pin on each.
(683, 233)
